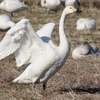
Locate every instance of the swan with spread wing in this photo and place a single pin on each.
(41, 56)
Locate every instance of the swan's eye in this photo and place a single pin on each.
(70, 8)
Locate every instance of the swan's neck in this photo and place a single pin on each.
(64, 44)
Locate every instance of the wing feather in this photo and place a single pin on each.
(46, 31)
(12, 40)
(7, 47)
(23, 41)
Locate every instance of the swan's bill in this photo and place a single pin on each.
(74, 9)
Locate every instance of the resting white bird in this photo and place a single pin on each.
(42, 57)
(74, 3)
(53, 5)
(13, 6)
(5, 22)
(84, 50)
(86, 24)
(43, 3)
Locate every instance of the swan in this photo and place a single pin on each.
(85, 24)
(43, 3)
(84, 50)
(5, 22)
(42, 58)
(53, 5)
(74, 3)
(13, 6)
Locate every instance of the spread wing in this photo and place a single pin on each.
(22, 40)
(46, 31)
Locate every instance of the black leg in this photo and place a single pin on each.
(44, 86)
(44, 93)
(11, 14)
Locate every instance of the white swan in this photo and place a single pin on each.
(74, 3)
(85, 24)
(12, 6)
(43, 3)
(53, 5)
(5, 22)
(43, 58)
(84, 50)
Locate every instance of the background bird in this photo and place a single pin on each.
(13, 6)
(74, 3)
(86, 24)
(84, 50)
(52, 5)
(5, 22)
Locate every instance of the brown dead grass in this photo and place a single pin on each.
(76, 80)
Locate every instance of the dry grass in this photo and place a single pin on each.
(76, 80)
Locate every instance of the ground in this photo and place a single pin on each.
(77, 79)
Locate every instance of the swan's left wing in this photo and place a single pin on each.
(46, 31)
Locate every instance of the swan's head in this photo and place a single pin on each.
(70, 9)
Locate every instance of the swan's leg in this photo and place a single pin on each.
(48, 10)
(44, 92)
(11, 14)
(44, 86)
(55, 11)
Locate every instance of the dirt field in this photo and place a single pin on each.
(76, 80)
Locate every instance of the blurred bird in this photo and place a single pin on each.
(51, 5)
(74, 3)
(43, 3)
(5, 22)
(13, 6)
(84, 50)
(86, 24)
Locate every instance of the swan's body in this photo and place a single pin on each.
(12, 6)
(74, 3)
(53, 5)
(85, 24)
(84, 50)
(42, 57)
(5, 22)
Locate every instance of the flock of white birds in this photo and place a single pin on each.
(36, 50)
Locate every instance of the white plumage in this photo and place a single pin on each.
(43, 3)
(12, 6)
(85, 24)
(74, 3)
(84, 50)
(53, 5)
(42, 57)
(5, 22)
